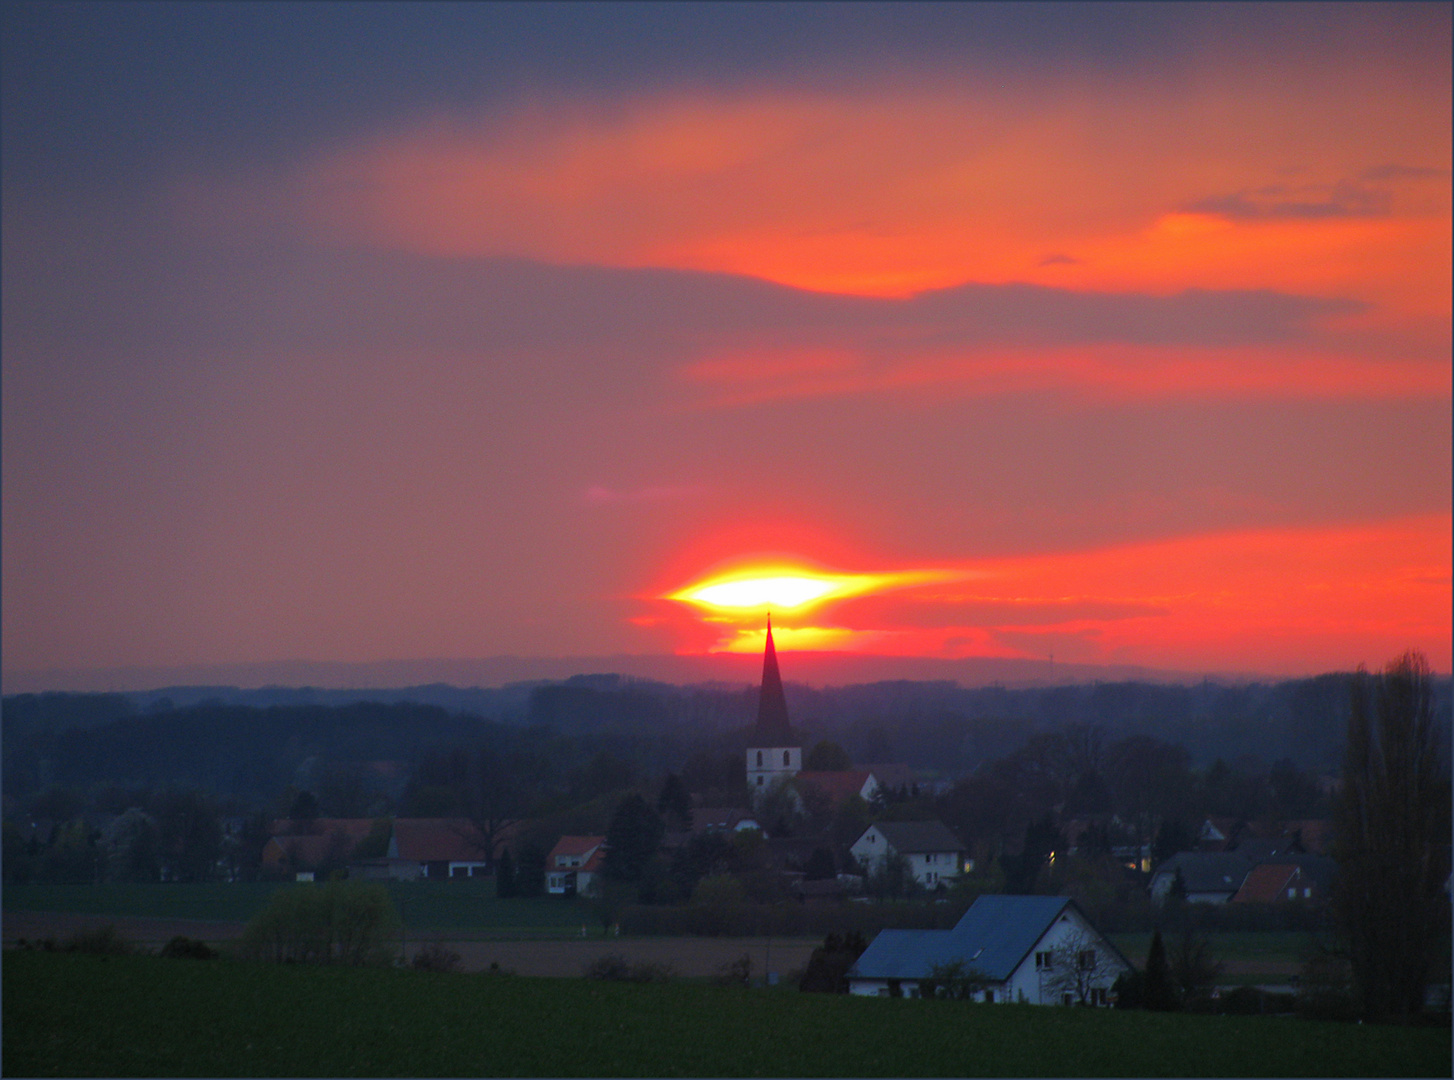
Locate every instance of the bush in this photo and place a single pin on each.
(1243, 1001)
(615, 968)
(827, 970)
(1325, 988)
(345, 922)
(435, 957)
(185, 948)
(102, 941)
(736, 973)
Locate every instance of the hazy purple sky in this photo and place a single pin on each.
(370, 332)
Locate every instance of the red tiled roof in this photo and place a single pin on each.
(306, 852)
(313, 847)
(356, 828)
(574, 847)
(836, 785)
(890, 774)
(1266, 883)
(438, 840)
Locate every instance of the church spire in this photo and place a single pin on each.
(772, 706)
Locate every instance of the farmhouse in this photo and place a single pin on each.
(933, 852)
(1218, 877)
(1036, 949)
(440, 847)
(573, 864)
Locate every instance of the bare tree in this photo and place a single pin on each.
(1079, 967)
(1395, 797)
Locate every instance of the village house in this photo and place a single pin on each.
(1036, 949)
(440, 847)
(301, 848)
(573, 864)
(934, 854)
(1218, 877)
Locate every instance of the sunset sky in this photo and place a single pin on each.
(355, 333)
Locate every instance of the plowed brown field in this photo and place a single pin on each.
(690, 957)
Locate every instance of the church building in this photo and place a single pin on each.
(771, 759)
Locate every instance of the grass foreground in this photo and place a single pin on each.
(81, 1015)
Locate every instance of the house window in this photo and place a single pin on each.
(785, 757)
(1307, 893)
(759, 759)
(1086, 959)
(1044, 961)
(759, 781)
(1292, 894)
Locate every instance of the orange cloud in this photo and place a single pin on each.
(1098, 372)
(1268, 600)
(891, 190)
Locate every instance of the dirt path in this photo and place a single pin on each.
(693, 957)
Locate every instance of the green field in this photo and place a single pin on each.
(78, 1015)
(468, 907)
(1289, 946)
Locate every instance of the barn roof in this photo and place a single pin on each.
(437, 840)
(994, 937)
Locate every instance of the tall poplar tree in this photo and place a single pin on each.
(1395, 796)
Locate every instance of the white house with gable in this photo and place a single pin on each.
(1036, 949)
(934, 853)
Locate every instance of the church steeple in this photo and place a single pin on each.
(772, 707)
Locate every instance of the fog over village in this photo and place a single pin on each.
(777, 539)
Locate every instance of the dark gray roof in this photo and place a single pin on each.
(994, 937)
(1322, 869)
(1208, 871)
(913, 836)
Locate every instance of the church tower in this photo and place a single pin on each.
(770, 758)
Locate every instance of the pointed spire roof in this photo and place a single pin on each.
(772, 707)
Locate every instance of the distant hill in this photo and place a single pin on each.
(811, 668)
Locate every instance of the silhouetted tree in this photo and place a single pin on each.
(305, 808)
(530, 870)
(1041, 839)
(827, 970)
(820, 865)
(1172, 837)
(1394, 799)
(1157, 992)
(505, 876)
(632, 839)
(674, 804)
(826, 756)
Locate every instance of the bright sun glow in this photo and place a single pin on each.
(786, 589)
(774, 592)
